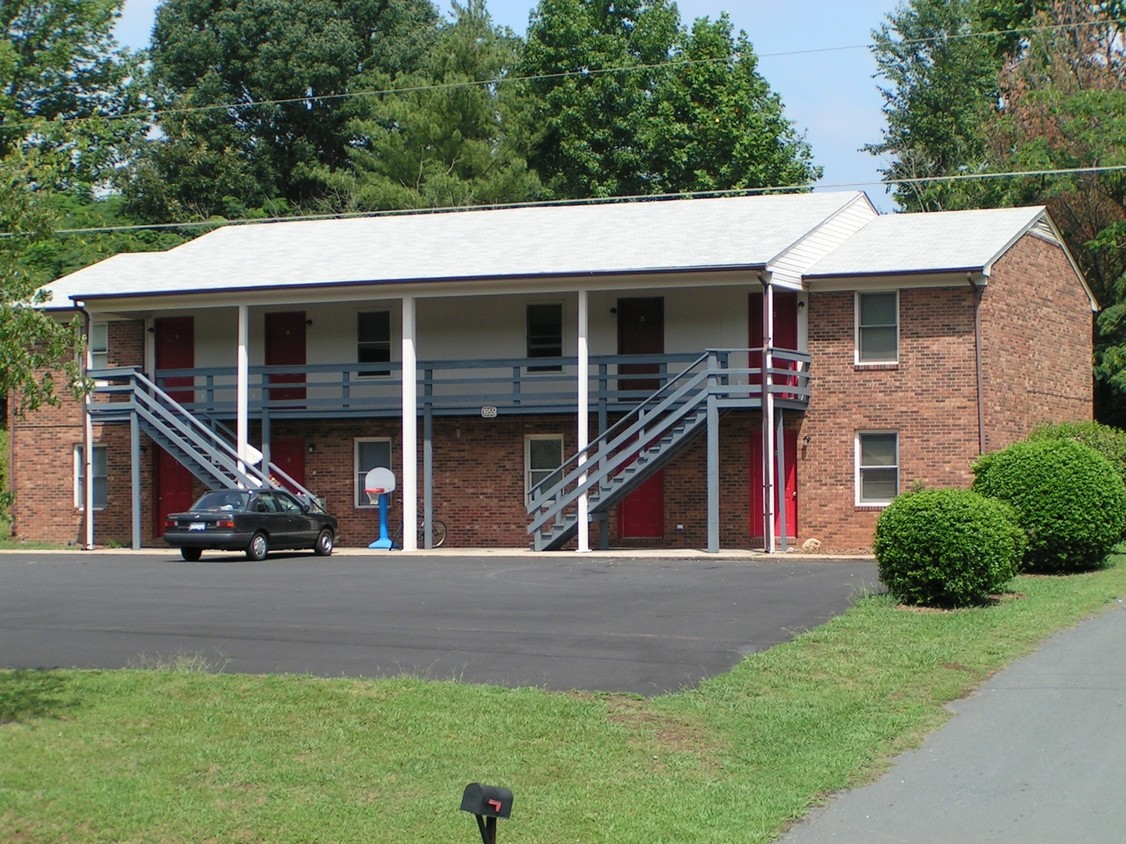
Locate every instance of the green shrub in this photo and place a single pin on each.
(947, 547)
(1068, 498)
(1107, 440)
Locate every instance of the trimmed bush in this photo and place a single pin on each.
(1107, 440)
(1068, 498)
(947, 547)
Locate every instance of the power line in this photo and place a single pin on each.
(1069, 171)
(157, 112)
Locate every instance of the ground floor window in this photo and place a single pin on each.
(101, 475)
(370, 453)
(877, 467)
(543, 455)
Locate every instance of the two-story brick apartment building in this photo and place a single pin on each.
(572, 374)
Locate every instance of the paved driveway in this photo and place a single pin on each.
(559, 621)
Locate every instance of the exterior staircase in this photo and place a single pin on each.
(624, 455)
(124, 394)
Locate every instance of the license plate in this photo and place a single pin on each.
(197, 526)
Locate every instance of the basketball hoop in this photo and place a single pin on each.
(377, 484)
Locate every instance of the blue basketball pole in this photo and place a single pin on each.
(384, 541)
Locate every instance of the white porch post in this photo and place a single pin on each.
(584, 418)
(242, 391)
(768, 414)
(87, 446)
(410, 428)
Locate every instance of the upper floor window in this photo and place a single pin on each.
(877, 467)
(373, 340)
(99, 345)
(877, 327)
(545, 334)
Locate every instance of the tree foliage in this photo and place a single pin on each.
(629, 102)
(940, 60)
(249, 96)
(447, 135)
(64, 124)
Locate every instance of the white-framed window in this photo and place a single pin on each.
(877, 327)
(543, 455)
(101, 478)
(373, 341)
(545, 334)
(99, 345)
(877, 467)
(370, 453)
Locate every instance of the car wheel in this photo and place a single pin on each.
(258, 548)
(191, 554)
(323, 546)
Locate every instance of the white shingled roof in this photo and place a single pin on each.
(945, 241)
(542, 241)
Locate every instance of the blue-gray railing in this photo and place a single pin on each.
(449, 387)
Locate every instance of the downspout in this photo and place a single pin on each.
(87, 442)
(979, 292)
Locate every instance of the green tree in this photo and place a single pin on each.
(64, 106)
(249, 95)
(630, 102)
(713, 123)
(940, 60)
(450, 135)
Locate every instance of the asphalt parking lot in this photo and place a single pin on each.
(559, 621)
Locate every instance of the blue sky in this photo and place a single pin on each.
(812, 54)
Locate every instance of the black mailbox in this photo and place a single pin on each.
(488, 801)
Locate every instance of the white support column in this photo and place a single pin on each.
(409, 484)
(87, 445)
(768, 414)
(584, 418)
(242, 390)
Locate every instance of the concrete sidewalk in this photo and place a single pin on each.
(1038, 754)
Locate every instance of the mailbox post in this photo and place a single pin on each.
(487, 802)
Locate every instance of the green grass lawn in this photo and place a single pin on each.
(184, 755)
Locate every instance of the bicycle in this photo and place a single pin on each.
(439, 534)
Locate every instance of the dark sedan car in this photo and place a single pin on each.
(254, 521)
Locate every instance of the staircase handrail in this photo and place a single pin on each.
(153, 401)
(650, 417)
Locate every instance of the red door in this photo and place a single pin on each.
(285, 346)
(785, 330)
(172, 488)
(288, 454)
(174, 348)
(641, 331)
(787, 480)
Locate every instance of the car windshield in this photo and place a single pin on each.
(224, 499)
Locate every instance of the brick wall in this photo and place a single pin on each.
(42, 469)
(1037, 343)
(1036, 328)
